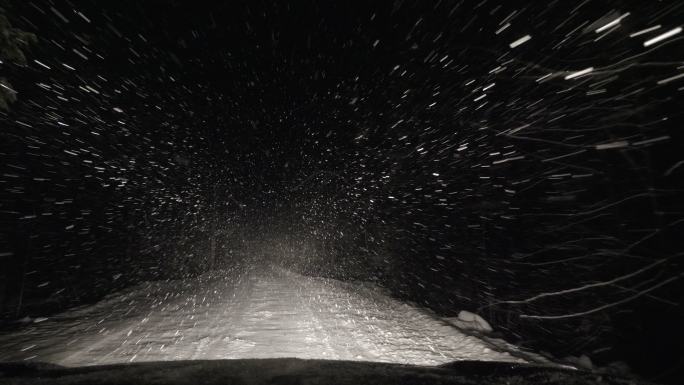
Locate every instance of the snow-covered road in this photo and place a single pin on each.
(260, 313)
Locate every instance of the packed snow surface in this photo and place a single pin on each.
(259, 313)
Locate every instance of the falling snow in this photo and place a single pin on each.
(522, 163)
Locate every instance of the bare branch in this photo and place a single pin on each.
(588, 286)
(604, 307)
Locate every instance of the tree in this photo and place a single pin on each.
(13, 42)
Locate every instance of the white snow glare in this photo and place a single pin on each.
(256, 313)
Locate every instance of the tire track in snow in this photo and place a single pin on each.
(260, 313)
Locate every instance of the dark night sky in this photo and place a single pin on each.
(403, 142)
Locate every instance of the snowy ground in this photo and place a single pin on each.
(266, 313)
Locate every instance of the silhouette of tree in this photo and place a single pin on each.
(13, 43)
